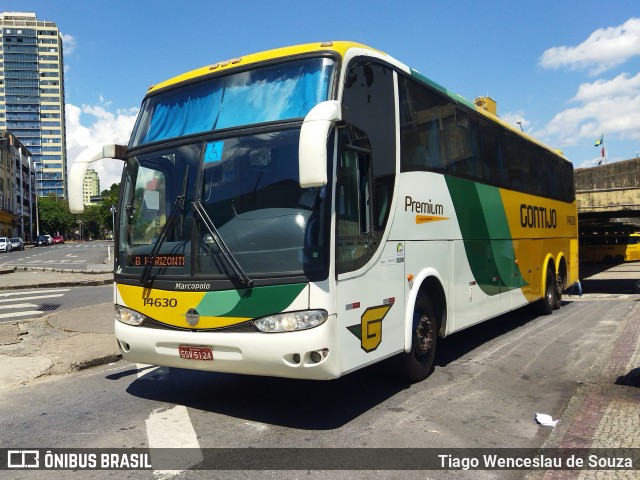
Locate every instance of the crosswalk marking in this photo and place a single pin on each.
(21, 314)
(18, 305)
(33, 292)
(35, 297)
(22, 304)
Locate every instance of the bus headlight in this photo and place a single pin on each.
(128, 316)
(291, 321)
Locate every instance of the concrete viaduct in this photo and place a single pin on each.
(608, 194)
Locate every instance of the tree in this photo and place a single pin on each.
(109, 199)
(55, 216)
(92, 222)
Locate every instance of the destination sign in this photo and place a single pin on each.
(158, 260)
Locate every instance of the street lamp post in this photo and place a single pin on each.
(113, 221)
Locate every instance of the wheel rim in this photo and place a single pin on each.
(424, 336)
(559, 286)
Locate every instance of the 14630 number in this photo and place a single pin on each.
(160, 302)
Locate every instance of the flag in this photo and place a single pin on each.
(602, 152)
(599, 141)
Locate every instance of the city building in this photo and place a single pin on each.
(32, 95)
(17, 189)
(90, 186)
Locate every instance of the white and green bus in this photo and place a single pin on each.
(308, 211)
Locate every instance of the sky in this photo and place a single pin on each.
(567, 70)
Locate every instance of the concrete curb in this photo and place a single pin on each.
(95, 362)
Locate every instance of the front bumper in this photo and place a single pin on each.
(287, 354)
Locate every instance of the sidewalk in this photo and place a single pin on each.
(604, 412)
(62, 341)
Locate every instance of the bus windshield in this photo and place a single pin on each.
(246, 186)
(280, 92)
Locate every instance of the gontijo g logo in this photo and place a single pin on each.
(370, 329)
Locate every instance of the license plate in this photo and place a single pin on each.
(195, 353)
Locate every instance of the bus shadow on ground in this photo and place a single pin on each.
(461, 343)
(307, 404)
(299, 404)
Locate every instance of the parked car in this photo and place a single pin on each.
(5, 244)
(49, 240)
(16, 243)
(41, 241)
(58, 239)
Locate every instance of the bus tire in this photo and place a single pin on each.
(546, 303)
(418, 363)
(557, 297)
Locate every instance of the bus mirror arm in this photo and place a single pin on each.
(79, 168)
(312, 151)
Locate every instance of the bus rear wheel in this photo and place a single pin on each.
(548, 301)
(417, 364)
(557, 297)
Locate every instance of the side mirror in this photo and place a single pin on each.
(79, 168)
(312, 150)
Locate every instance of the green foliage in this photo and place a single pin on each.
(91, 221)
(98, 219)
(54, 215)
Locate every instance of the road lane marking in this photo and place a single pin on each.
(145, 369)
(172, 428)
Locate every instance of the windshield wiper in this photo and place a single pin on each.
(176, 209)
(228, 256)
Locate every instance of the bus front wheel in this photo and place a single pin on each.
(417, 364)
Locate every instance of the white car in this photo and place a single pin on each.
(5, 245)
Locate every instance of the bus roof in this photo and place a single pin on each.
(341, 47)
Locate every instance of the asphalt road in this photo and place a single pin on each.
(67, 255)
(489, 382)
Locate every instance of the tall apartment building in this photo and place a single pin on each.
(90, 186)
(32, 95)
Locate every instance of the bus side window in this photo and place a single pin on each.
(460, 154)
(421, 128)
(355, 243)
(367, 162)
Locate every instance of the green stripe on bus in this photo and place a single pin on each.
(458, 98)
(481, 216)
(249, 303)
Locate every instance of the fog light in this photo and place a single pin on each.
(316, 357)
(296, 358)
